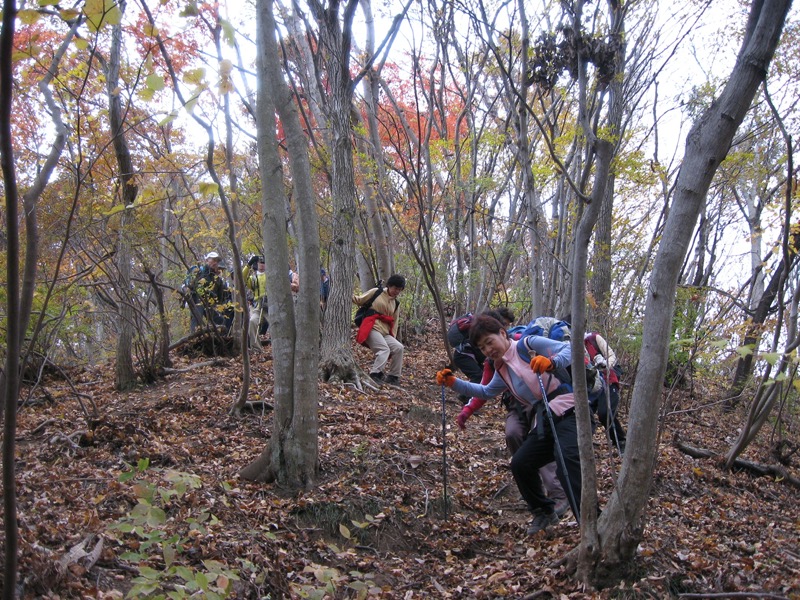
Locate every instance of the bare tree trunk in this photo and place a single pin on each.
(292, 456)
(128, 190)
(335, 37)
(621, 525)
(11, 377)
(375, 180)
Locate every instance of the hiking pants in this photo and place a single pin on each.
(468, 365)
(257, 319)
(536, 452)
(384, 347)
(516, 431)
(607, 413)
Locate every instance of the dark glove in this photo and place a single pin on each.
(540, 364)
(253, 261)
(445, 377)
(462, 417)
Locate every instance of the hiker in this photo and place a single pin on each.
(294, 281)
(255, 278)
(205, 291)
(465, 356)
(523, 367)
(518, 423)
(324, 289)
(377, 328)
(603, 358)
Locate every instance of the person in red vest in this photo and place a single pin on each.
(603, 358)
(377, 330)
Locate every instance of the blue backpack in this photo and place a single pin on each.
(548, 327)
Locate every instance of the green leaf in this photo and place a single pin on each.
(190, 10)
(27, 16)
(169, 555)
(168, 119)
(721, 344)
(156, 517)
(191, 103)
(228, 32)
(744, 351)
(194, 76)
(202, 581)
(143, 464)
(344, 531)
(48, 2)
(147, 94)
(207, 189)
(184, 573)
(771, 357)
(149, 573)
(155, 82)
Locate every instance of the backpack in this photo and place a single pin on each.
(559, 331)
(365, 310)
(188, 285)
(463, 323)
(458, 331)
(548, 327)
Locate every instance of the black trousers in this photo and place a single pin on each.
(607, 413)
(468, 365)
(538, 450)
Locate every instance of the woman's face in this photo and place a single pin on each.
(494, 345)
(393, 291)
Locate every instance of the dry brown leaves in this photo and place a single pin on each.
(374, 525)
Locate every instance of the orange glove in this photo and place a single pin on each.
(445, 377)
(540, 364)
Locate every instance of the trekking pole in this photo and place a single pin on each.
(559, 453)
(444, 451)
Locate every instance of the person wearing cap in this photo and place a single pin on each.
(255, 277)
(378, 328)
(206, 290)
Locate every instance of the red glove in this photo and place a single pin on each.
(445, 377)
(540, 364)
(462, 417)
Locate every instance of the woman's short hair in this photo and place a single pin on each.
(482, 326)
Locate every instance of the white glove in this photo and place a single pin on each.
(600, 361)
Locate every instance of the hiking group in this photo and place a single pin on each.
(530, 367)
(209, 296)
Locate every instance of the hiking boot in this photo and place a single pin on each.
(377, 377)
(561, 508)
(540, 521)
(392, 380)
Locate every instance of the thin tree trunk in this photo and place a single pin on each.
(128, 190)
(292, 456)
(621, 525)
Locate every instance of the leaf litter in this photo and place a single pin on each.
(373, 526)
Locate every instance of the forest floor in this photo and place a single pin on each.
(144, 499)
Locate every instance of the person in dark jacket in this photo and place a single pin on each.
(206, 292)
